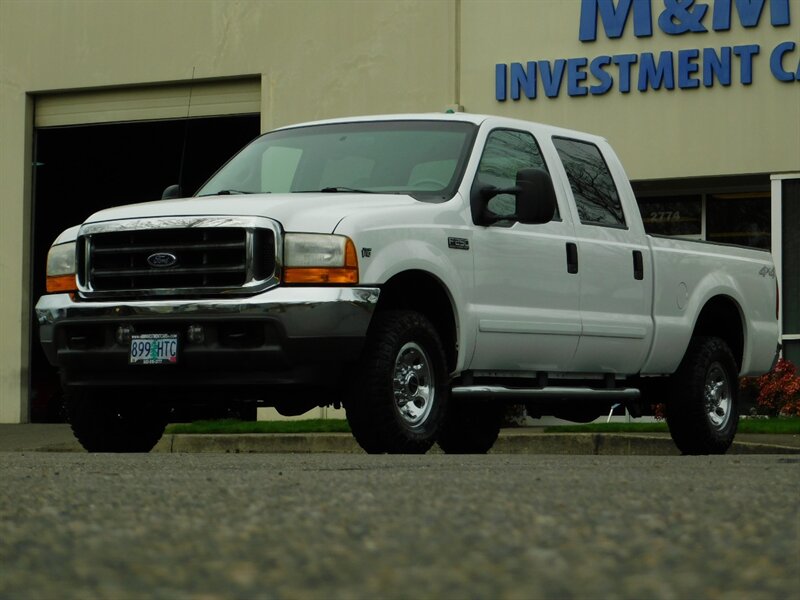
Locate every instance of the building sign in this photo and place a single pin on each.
(693, 67)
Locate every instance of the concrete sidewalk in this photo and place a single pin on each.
(38, 437)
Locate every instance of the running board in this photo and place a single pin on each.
(546, 393)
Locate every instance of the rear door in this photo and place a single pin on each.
(613, 261)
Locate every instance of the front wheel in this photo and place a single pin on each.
(401, 391)
(703, 412)
(109, 423)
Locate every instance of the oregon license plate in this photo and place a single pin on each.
(154, 349)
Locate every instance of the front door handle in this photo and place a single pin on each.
(572, 257)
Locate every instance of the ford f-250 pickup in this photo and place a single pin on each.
(423, 271)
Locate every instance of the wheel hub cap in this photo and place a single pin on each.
(717, 396)
(413, 384)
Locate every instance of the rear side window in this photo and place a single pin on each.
(592, 185)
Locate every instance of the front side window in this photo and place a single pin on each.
(424, 159)
(506, 152)
(592, 185)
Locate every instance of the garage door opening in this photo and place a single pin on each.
(83, 169)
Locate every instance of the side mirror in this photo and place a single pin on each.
(172, 192)
(535, 199)
(536, 196)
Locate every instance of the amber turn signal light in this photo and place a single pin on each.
(61, 283)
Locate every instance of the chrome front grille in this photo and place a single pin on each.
(158, 257)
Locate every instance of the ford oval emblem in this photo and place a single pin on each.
(162, 260)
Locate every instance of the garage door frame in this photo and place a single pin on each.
(151, 102)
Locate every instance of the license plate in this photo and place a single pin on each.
(154, 349)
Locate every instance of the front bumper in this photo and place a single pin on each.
(281, 336)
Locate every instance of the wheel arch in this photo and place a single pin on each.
(721, 317)
(425, 293)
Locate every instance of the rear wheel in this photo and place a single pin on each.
(703, 411)
(470, 427)
(401, 393)
(112, 424)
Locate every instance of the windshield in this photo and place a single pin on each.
(424, 159)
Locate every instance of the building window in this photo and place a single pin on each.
(742, 219)
(675, 216)
(790, 255)
(730, 218)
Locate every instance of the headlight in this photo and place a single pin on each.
(61, 268)
(317, 258)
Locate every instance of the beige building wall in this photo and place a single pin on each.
(315, 59)
(659, 133)
(326, 58)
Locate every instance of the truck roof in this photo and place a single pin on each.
(477, 119)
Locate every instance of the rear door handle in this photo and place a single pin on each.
(572, 257)
(638, 265)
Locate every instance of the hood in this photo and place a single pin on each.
(313, 213)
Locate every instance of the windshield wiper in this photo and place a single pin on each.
(339, 188)
(229, 193)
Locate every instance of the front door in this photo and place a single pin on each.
(525, 301)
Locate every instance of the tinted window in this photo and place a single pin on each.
(505, 153)
(592, 185)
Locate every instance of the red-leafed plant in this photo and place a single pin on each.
(659, 411)
(778, 391)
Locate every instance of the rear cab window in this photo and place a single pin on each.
(596, 196)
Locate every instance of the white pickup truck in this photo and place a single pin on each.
(423, 271)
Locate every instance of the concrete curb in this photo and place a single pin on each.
(59, 438)
(275, 443)
(601, 444)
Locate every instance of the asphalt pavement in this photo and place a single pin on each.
(42, 437)
(350, 527)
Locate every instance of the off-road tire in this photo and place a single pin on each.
(104, 423)
(403, 360)
(703, 408)
(470, 427)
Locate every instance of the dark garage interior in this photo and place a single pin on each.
(82, 169)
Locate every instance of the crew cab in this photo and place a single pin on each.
(423, 271)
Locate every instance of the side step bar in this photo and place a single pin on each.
(545, 393)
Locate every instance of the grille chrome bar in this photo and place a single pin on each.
(212, 256)
(172, 272)
(173, 246)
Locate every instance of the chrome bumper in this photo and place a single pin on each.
(310, 313)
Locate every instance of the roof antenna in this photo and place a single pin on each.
(176, 191)
(186, 132)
